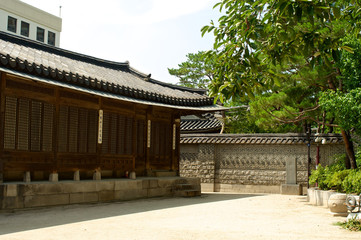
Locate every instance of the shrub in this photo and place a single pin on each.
(318, 176)
(352, 182)
(351, 224)
(337, 177)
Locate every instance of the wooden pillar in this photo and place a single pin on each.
(1, 172)
(99, 138)
(175, 148)
(2, 121)
(148, 140)
(56, 130)
(134, 140)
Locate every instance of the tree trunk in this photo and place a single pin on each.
(350, 160)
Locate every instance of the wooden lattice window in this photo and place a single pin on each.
(117, 134)
(77, 130)
(161, 140)
(28, 125)
(140, 137)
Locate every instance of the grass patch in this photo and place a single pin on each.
(351, 224)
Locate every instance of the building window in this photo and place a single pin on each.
(25, 29)
(40, 34)
(12, 24)
(77, 130)
(51, 38)
(29, 125)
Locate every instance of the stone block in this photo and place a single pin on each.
(291, 171)
(165, 173)
(76, 176)
(106, 196)
(104, 185)
(87, 197)
(132, 175)
(79, 187)
(44, 188)
(97, 176)
(130, 194)
(53, 177)
(207, 187)
(166, 182)
(291, 189)
(46, 200)
(126, 184)
(27, 177)
(145, 184)
(12, 203)
(159, 192)
(11, 190)
(153, 183)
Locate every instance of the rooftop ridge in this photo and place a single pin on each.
(258, 138)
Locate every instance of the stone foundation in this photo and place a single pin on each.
(42, 194)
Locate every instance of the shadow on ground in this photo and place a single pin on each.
(24, 220)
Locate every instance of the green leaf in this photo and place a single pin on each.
(337, 12)
(347, 48)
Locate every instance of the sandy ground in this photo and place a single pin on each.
(212, 216)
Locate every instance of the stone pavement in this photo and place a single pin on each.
(211, 216)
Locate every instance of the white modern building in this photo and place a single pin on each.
(24, 20)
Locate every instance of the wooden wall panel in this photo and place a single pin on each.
(35, 127)
(63, 129)
(121, 134)
(92, 130)
(56, 129)
(23, 124)
(48, 127)
(10, 122)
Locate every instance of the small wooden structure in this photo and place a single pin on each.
(64, 112)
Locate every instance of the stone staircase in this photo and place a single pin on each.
(184, 188)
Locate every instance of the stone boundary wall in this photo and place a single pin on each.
(250, 162)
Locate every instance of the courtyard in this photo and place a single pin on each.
(211, 216)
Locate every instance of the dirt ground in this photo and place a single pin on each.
(211, 216)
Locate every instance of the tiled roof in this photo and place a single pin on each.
(200, 124)
(290, 138)
(48, 62)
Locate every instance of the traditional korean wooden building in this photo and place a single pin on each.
(64, 112)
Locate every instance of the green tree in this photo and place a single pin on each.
(345, 107)
(260, 44)
(196, 72)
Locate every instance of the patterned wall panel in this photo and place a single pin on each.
(250, 164)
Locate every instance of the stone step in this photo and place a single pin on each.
(165, 173)
(188, 193)
(183, 186)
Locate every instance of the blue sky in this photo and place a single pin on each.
(152, 35)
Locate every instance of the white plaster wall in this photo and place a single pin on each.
(40, 19)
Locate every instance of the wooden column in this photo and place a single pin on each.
(148, 124)
(99, 145)
(134, 140)
(56, 129)
(2, 121)
(175, 149)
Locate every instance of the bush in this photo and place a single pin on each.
(352, 182)
(337, 177)
(318, 176)
(351, 224)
